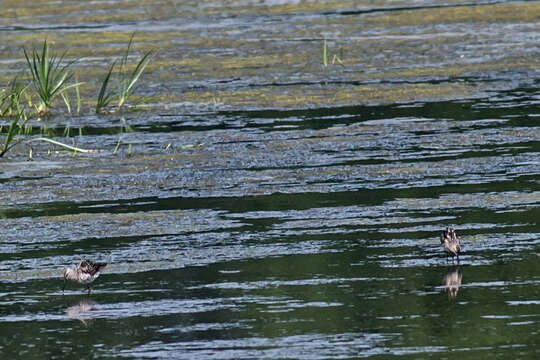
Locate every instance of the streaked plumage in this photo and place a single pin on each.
(451, 243)
(85, 272)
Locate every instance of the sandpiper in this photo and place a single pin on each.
(85, 272)
(451, 243)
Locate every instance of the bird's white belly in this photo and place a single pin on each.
(87, 278)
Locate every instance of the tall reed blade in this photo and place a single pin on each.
(325, 58)
(9, 136)
(10, 98)
(78, 95)
(15, 127)
(104, 97)
(127, 86)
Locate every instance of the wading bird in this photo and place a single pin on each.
(451, 243)
(85, 272)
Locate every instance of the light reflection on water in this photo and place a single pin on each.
(299, 346)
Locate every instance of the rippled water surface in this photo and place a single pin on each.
(264, 205)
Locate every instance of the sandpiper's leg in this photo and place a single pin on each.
(64, 287)
(88, 287)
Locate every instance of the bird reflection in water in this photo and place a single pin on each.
(452, 282)
(82, 311)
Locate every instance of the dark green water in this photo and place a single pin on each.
(301, 232)
(338, 257)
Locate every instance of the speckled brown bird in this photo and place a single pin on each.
(451, 243)
(85, 272)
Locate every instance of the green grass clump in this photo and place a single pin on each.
(10, 104)
(50, 76)
(125, 85)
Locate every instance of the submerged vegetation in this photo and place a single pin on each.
(50, 77)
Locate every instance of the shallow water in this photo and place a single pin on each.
(266, 206)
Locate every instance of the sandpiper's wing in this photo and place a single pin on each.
(91, 268)
(456, 241)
